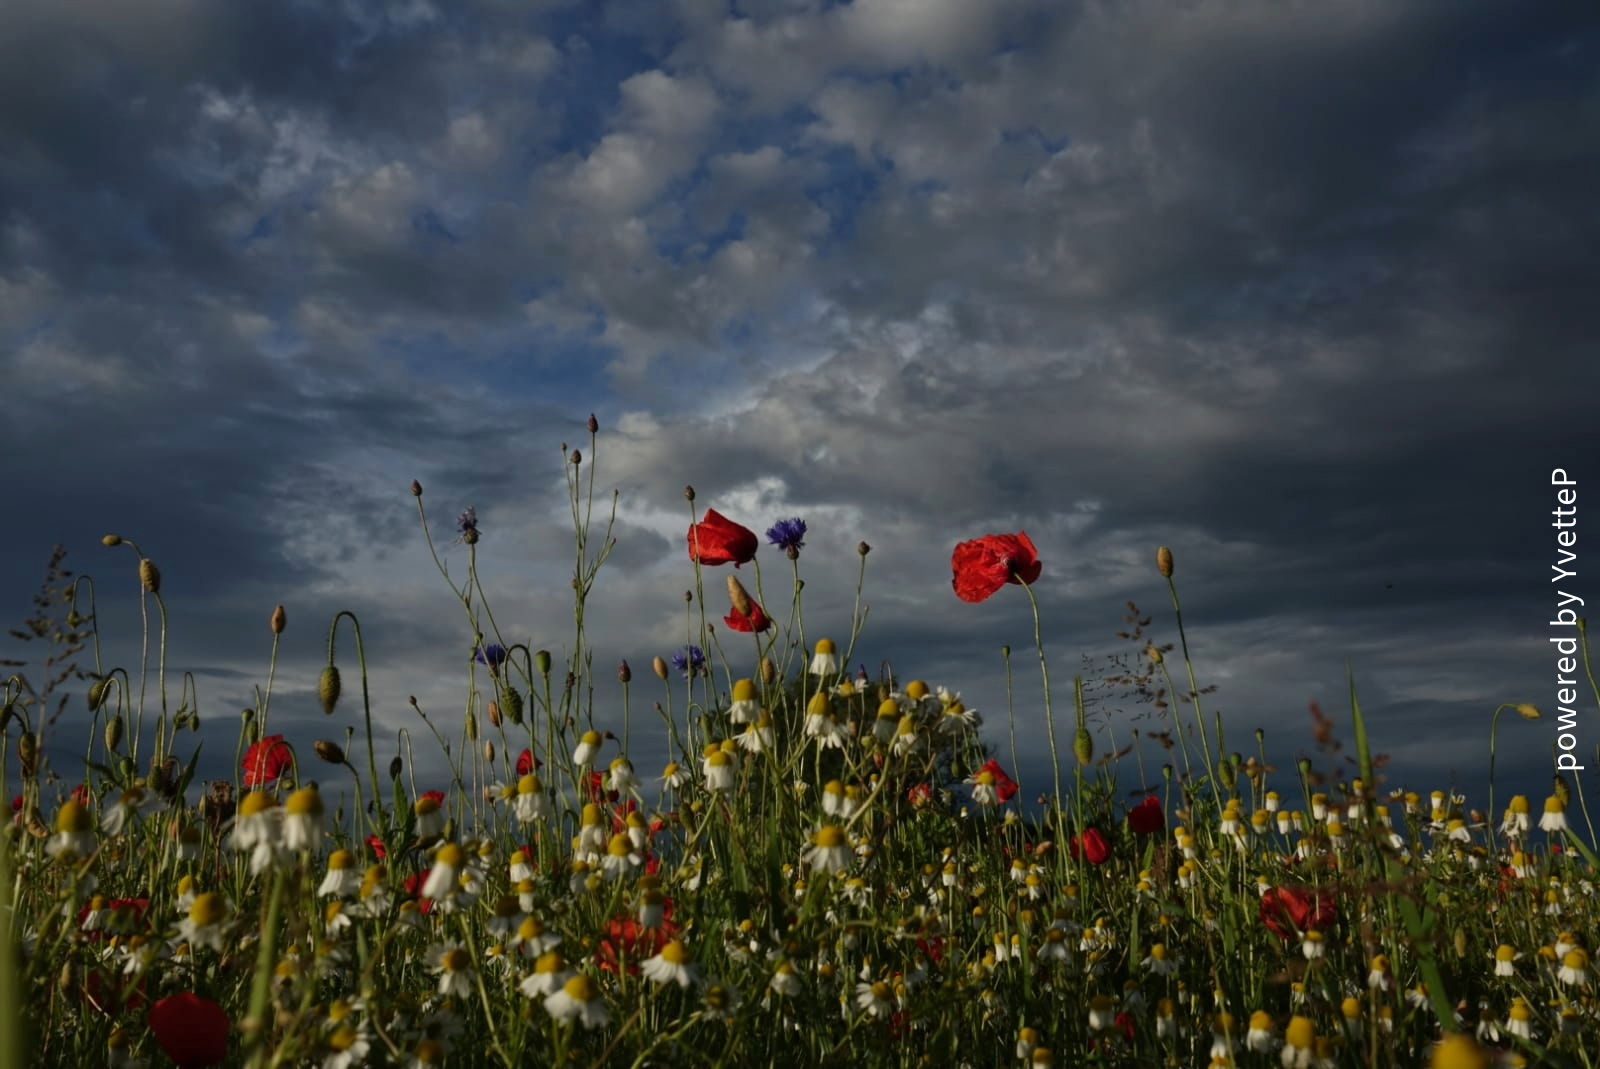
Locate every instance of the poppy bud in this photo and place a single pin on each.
(624, 673)
(541, 661)
(111, 540)
(511, 700)
(593, 424)
(472, 727)
(659, 666)
(280, 620)
(98, 692)
(494, 714)
(416, 488)
(114, 728)
(329, 751)
(1083, 746)
(1225, 773)
(396, 766)
(1528, 712)
(738, 597)
(1164, 562)
(7, 711)
(27, 753)
(488, 750)
(150, 575)
(328, 689)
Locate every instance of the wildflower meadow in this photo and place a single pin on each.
(829, 869)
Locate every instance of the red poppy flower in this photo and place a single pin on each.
(718, 540)
(594, 786)
(436, 796)
(16, 804)
(625, 940)
(1091, 846)
(376, 845)
(192, 1030)
(266, 761)
(756, 622)
(920, 795)
(1288, 911)
(1004, 787)
(1147, 818)
(984, 565)
(526, 763)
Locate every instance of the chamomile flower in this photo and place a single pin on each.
(671, 965)
(530, 804)
(744, 706)
(444, 879)
(785, 981)
(877, 999)
(74, 837)
(623, 779)
(258, 828)
(620, 859)
(579, 997)
(587, 749)
(1555, 815)
(1102, 1013)
(302, 820)
(1574, 967)
(204, 925)
(1160, 961)
(1299, 1043)
(1519, 1019)
(719, 771)
(1261, 1037)
(719, 1002)
(428, 1054)
(1504, 956)
(132, 803)
(829, 850)
(757, 735)
(674, 776)
(429, 818)
(652, 907)
(1518, 819)
(550, 974)
(453, 964)
(823, 659)
(342, 879)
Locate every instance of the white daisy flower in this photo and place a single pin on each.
(579, 997)
(671, 965)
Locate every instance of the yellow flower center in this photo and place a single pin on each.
(581, 989)
(208, 909)
(675, 953)
(829, 837)
(306, 802)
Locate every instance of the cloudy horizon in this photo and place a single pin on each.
(1304, 292)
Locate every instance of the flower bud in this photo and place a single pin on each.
(511, 704)
(329, 751)
(280, 619)
(114, 729)
(1154, 654)
(472, 727)
(688, 493)
(110, 541)
(98, 692)
(577, 457)
(416, 488)
(738, 597)
(1083, 746)
(396, 766)
(769, 671)
(28, 753)
(328, 689)
(863, 549)
(541, 661)
(1164, 562)
(488, 750)
(659, 667)
(494, 714)
(624, 673)
(1528, 712)
(149, 575)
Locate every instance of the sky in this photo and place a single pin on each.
(1305, 291)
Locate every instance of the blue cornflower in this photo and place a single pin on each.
(689, 660)
(493, 655)
(468, 520)
(788, 535)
